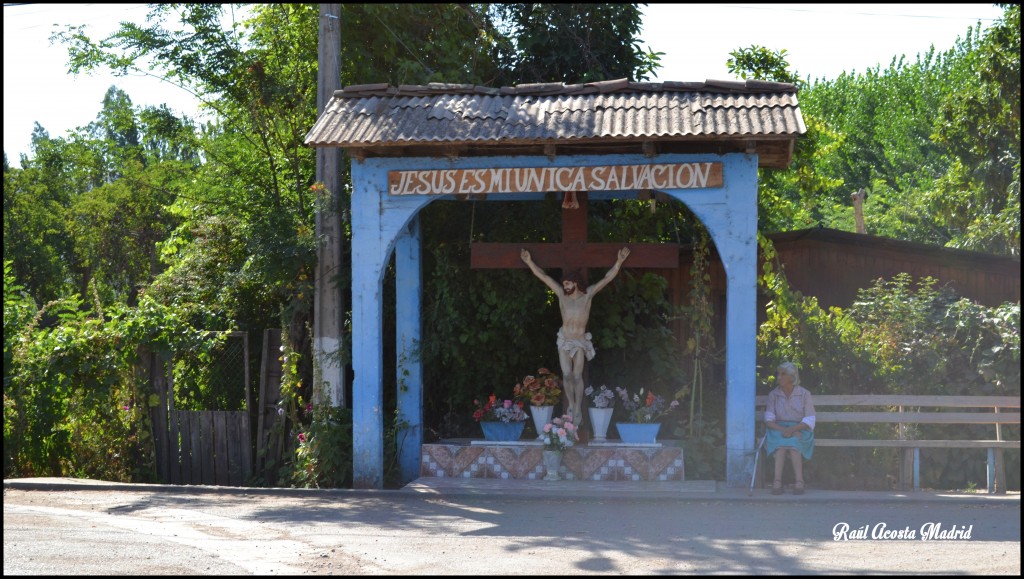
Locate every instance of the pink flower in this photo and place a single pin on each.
(561, 432)
(125, 408)
(302, 437)
(547, 428)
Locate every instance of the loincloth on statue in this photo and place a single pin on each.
(573, 346)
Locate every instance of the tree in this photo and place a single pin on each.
(950, 178)
(760, 63)
(790, 198)
(571, 43)
(980, 126)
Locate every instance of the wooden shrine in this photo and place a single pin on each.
(700, 143)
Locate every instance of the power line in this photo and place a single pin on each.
(785, 8)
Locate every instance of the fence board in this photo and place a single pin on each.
(233, 430)
(220, 448)
(206, 435)
(246, 447)
(268, 448)
(155, 371)
(174, 456)
(183, 449)
(196, 446)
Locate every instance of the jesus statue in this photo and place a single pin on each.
(574, 342)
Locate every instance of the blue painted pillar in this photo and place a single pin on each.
(730, 216)
(741, 348)
(408, 295)
(369, 251)
(380, 222)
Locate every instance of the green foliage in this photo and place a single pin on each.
(169, 227)
(482, 338)
(572, 43)
(980, 125)
(703, 448)
(823, 344)
(700, 349)
(925, 340)
(791, 198)
(73, 405)
(19, 312)
(91, 208)
(760, 63)
(418, 43)
(323, 457)
(631, 322)
(901, 336)
(951, 178)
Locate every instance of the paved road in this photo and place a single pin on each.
(83, 528)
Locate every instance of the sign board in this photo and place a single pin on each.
(545, 179)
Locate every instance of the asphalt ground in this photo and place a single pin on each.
(437, 526)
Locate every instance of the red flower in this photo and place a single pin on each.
(650, 398)
(541, 389)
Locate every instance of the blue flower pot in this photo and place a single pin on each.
(638, 433)
(502, 431)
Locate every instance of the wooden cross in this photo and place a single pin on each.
(573, 252)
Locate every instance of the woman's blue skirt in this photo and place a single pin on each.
(803, 441)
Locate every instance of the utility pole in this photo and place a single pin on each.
(328, 340)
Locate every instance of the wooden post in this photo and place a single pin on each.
(328, 343)
(997, 464)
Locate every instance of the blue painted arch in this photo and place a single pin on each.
(383, 225)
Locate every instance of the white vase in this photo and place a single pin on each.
(600, 418)
(541, 416)
(552, 460)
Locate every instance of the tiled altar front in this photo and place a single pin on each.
(463, 458)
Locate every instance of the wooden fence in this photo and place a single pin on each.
(200, 447)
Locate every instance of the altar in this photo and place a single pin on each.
(606, 461)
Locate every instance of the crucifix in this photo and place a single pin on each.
(573, 252)
(572, 255)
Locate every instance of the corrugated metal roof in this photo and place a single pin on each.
(377, 117)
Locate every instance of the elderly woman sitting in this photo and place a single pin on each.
(789, 417)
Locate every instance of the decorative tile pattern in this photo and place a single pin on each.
(515, 462)
(590, 464)
(451, 461)
(460, 459)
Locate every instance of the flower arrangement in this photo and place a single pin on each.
(600, 398)
(540, 390)
(645, 408)
(493, 411)
(560, 433)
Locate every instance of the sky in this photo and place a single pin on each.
(821, 42)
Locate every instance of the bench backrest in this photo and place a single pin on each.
(906, 409)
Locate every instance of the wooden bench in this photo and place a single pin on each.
(903, 410)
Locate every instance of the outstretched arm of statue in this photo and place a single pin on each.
(614, 271)
(537, 271)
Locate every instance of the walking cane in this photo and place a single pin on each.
(757, 455)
